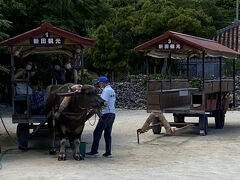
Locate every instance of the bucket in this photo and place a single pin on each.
(82, 148)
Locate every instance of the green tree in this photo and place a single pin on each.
(75, 15)
(135, 22)
(16, 12)
(72, 15)
(192, 22)
(4, 26)
(118, 25)
(221, 11)
(106, 49)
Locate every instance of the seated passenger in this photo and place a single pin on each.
(21, 78)
(58, 73)
(69, 71)
(27, 83)
(37, 98)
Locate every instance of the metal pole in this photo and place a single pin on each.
(228, 38)
(237, 10)
(203, 69)
(138, 137)
(170, 68)
(188, 75)
(147, 66)
(237, 29)
(170, 65)
(220, 75)
(232, 45)
(12, 78)
(234, 89)
(82, 66)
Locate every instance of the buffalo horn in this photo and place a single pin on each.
(66, 94)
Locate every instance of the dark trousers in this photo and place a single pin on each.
(104, 124)
(23, 135)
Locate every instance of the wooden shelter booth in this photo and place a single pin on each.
(46, 39)
(185, 97)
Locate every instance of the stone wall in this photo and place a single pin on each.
(132, 94)
(237, 92)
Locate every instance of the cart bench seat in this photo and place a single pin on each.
(23, 118)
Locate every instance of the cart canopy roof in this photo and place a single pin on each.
(47, 39)
(181, 45)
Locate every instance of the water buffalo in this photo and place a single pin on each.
(82, 105)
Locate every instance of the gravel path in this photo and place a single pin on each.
(184, 156)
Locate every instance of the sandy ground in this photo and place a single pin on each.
(184, 156)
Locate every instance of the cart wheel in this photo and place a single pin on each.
(203, 125)
(178, 118)
(219, 119)
(18, 131)
(156, 129)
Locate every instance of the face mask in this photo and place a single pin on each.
(28, 67)
(68, 66)
(57, 67)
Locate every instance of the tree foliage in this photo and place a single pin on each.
(117, 25)
(4, 26)
(134, 22)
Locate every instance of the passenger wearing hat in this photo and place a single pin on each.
(105, 123)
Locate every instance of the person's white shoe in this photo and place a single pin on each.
(107, 155)
(91, 154)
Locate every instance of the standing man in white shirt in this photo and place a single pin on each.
(105, 123)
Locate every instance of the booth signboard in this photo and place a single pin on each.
(169, 45)
(47, 40)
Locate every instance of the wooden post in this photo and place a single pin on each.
(12, 77)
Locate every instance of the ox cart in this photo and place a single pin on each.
(46, 39)
(189, 97)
